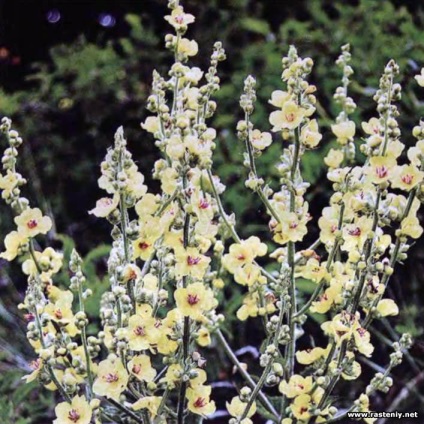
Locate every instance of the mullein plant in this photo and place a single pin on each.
(174, 251)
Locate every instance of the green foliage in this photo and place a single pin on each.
(22, 403)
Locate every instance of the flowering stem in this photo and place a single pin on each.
(335, 378)
(186, 334)
(163, 401)
(268, 366)
(290, 350)
(256, 390)
(393, 258)
(32, 253)
(40, 330)
(355, 303)
(252, 165)
(221, 209)
(264, 400)
(233, 232)
(313, 246)
(49, 367)
(386, 120)
(127, 411)
(331, 256)
(125, 241)
(84, 342)
(183, 387)
(367, 254)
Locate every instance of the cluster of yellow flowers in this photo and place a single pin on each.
(172, 252)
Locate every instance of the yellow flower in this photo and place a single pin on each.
(193, 300)
(243, 253)
(37, 366)
(416, 153)
(151, 403)
(291, 228)
(203, 337)
(395, 147)
(144, 246)
(147, 205)
(237, 406)
(143, 331)
(79, 355)
(76, 412)
(407, 177)
(165, 344)
(172, 376)
(105, 206)
(151, 124)
(372, 127)
(141, 367)
(362, 341)
(341, 327)
(344, 131)
(364, 406)
(250, 307)
(289, 117)
(169, 179)
(310, 135)
(248, 275)
(199, 380)
(328, 224)
(380, 169)
(60, 312)
(13, 241)
(309, 356)
(355, 234)
(7, 183)
(297, 385)
(411, 227)
(260, 140)
(193, 76)
(199, 400)
(112, 378)
(278, 98)
(32, 222)
(300, 407)
(49, 261)
(420, 78)
(202, 205)
(334, 158)
(179, 19)
(190, 262)
(135, 186)
(352, 371)
(387, 307)
(312, 270)
(187, 47)
(326, 300)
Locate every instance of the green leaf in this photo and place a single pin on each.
(255, 25)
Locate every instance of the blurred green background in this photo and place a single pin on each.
(72, 72)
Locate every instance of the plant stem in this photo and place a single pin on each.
(233, 358)
(230, 227)
(331, 256)
(125, 410)
(40, 330)
(262, 380)
(291, 346)
(84, 342)
(186, 335)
